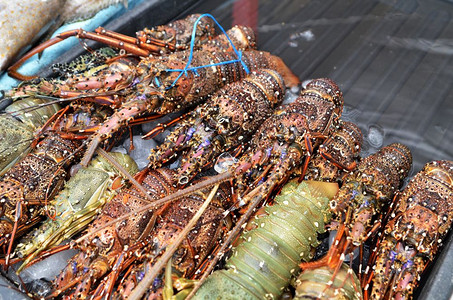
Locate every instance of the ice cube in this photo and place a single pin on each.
(48, 268)
(141, 150)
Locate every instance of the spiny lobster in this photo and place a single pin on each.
(224, 122)
(157, 40)
(75, 206)
(25, 188)
(412, 237)
(285, 141)
(337, 154)
(366, 191)
(360, 201)
(129, 243)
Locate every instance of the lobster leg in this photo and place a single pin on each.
(105, 290)
(278, 174)
(46, 254)
(338, 164)
(17, 217)
(161, 127)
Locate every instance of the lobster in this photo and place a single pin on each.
(105, 70)
(196, 31)
(189, 255)
(125, 244)
(412, 237)
(75, 206)
(17, 129)
(361, 200)
(222, 123)
(26, 186)
(286, 138)
(365, 191)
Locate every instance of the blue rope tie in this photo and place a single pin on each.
(192, 44)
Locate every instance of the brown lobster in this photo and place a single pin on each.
(366, 191)
(105, 70)
(222, 123)
(361, 200)
(126, 245)
(286, 138)
(412, 237)
(25, 188)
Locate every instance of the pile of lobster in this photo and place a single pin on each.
(287, 174)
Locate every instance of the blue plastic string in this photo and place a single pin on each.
(192, 44)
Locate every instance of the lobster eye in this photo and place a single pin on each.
(224, 121)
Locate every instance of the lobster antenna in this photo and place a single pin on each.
(17, 144)
(172, 197)
(233, 234)
(55, 100)
(152, 273)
